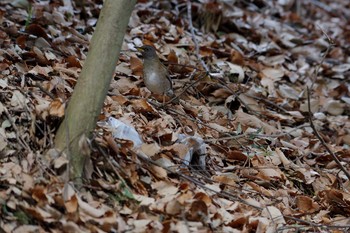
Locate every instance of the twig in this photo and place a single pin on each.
(268, 102)
(196, 121)
(189, 16)
(112, 163)
(330, 45)
(183, 65)
(321, 5)
(19, 137)
(185, 89)
(45, 91)
(229, 196)
(224, 194)
(335, 158)
(257, 135)
(236, 95)
(315, 224)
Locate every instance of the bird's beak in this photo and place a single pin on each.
(140, 49)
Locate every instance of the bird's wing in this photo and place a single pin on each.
(166, 72)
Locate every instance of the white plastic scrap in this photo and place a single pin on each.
(195, 144)
(121, 130)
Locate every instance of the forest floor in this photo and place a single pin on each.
(258, 141)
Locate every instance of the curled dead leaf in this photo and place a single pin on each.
(72, 61)
(203, 197)
(198, 211)
(39, 194)
(57, 108)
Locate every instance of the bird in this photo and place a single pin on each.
(155, 74)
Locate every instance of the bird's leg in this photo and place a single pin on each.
(163, 100)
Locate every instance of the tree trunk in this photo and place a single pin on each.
(92, 86)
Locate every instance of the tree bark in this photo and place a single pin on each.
(92, 86)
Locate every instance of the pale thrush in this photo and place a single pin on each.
(155, 74)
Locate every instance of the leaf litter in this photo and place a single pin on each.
(235, 154)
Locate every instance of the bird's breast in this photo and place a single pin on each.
(156, 82)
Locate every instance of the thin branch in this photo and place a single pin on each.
(224, 194)
(185, 89)
(257, 135)
(268, 102)
(322, 6)
(189, 16)
(330, 45)
(182, 65)
(19, 137)
(335, 158)
(316, 224)
(112, 162)
(229, 196)
(44, 90)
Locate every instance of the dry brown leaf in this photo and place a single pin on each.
(252, 121)
(306, 204)
(18, 100)
(338, 201)
(136, 66)
(203, 197)
(173, 207)
(236, 155)
(165, 188)
(73, 61)
(286, 162)
(146, 201)
(37, 30)
(172, 58)
(274, 214)
(39, 194)
(40, 70)
(158, 172)
(184, 197)
(142, 106)
(90, 210)
(198, 211)
(72, 204)
(229, 179)
(266, 52)
(57, 108)
(269, 76)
